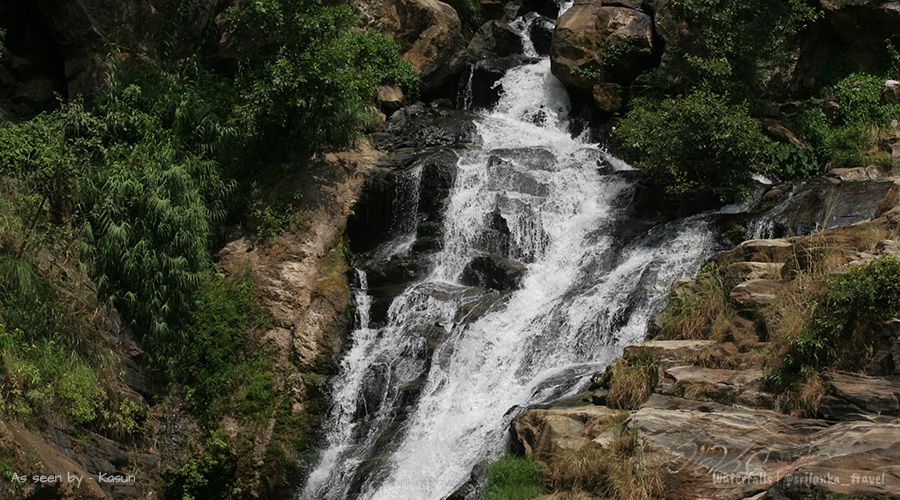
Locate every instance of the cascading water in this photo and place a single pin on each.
(424, 399)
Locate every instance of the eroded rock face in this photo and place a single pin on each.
(428, 32)
(858, 20)
(494, 271)
(596, 43)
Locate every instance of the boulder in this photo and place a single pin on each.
(493, 271)
(539, 433)
(390, 98)
(756, 293)
(853, 397)
(594, 44)
(891, 91)
(494, 39)
(540, 31)
(862, 21)
(428, 31)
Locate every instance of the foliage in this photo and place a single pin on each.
(696, 142)
(846, 313)
(469, 12)
(214, 366)
(693, 309)
(859, 100)
(312, 84)
(513, 478)
(731, 42)
(39, 365)
(206, 476)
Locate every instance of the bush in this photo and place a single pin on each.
(841, 330)
(213, 363)
(732, 43)
(695, 142)
(513, 478)
(312, 84)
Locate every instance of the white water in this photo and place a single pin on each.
(584, 297)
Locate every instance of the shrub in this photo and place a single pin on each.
(840, 330)
(730, 43)
(513, 478)
(311, 85)
(859, 97)
(209, 475)
(695, 142)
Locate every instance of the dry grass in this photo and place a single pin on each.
(631, 382)
(624, 470)
(804, 401)
(695, 310)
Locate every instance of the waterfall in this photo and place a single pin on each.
(421, 401)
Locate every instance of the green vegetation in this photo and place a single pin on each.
(698, 141)
(693, 311)
(469, 12)
(731, 42)
(513, 478)
(695, 125)
(842, 329)
(209, 475)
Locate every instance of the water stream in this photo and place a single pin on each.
(427, 397)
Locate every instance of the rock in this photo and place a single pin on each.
(546, 8)
(720, 451)
(494, 39)
(541, 33)
(493, 271)
(390, 98)
(854, 397)
(753, 270)
(891, 91)
(428, 31)
(708, 384)
(609, 97)
(539, 433)
(863, 21)
(895, 155)
(484, 90)
(600, 44)
(776, 130)
(774, 250)
(855, 174)
(756, 293)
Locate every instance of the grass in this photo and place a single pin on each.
(698, 310)
(623, 470)
(513, 478)
(632, 381)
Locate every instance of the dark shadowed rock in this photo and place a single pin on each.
(494, 271)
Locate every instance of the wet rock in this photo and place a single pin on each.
(541, 33)
(581, 51)
(390, 98)
(546, 8)
(486, 73)
(494, 39)
(493, 271)
(756, 293)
